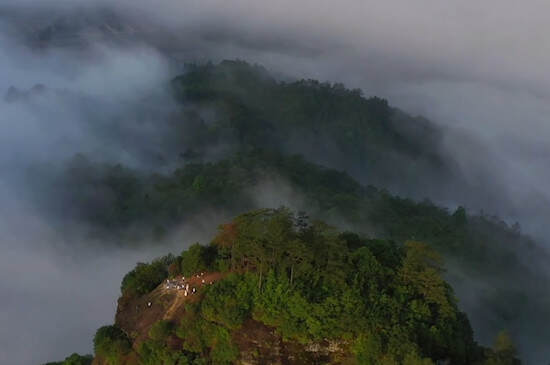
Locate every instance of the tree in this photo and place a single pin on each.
(504, 351)
(145, 277)
(193, 260)
(111, 343)
(459, 216)
(226, 240)
(175, 268)
(421, 272)
(298, 256)
(228, 302)
(161, 330)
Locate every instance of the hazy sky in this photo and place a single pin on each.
(479, 69)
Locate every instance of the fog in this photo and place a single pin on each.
(57, 289)
(58, 286)
(477, 70)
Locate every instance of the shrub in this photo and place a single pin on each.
(154, 353)
(223, 350)
(197, 258)
(175, 268)
(160, 330)
(76, 359)
(228, 302)
(111, 343)
(144, 277)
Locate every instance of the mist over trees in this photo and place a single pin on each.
(239, 106)
(230, 137)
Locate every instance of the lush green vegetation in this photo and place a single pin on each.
(478, 246)
(163, 201)
(238, 129)
(386, 302)
(145, 277)
(74, 359)
(306, 116)
(155, 351)
(111, 343)
(196, 259)
(235, 108)
(265, 113)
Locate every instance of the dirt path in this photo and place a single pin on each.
(137, 315)
(196, 281)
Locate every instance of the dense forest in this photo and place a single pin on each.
(243, 137)
(324, 122)
(379, 301)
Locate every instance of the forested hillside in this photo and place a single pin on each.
(317, 294)
(247, 141)
(322, 121)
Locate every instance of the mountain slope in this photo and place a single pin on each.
(322, 121)
(310, 293)
(235, 129)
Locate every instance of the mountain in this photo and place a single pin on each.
(322, 121)
(224, 138)
(241, 140)
(477, 248)
(274, 287)
(234, 108)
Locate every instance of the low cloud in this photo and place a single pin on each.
(58, 288)
(477, 70)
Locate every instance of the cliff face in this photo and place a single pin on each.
(259, 344)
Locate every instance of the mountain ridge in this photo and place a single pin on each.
(476, 245)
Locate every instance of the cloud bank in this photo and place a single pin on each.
(478, 70)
